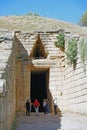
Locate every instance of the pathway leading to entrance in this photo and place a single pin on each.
(68, 121)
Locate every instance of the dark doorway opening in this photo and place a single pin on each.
(38, 87)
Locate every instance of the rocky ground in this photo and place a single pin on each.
(65, 121)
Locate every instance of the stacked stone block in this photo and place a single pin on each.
(17, 63)
(7, 80)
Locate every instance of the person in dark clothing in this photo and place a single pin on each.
(47, 107)
(28, 107)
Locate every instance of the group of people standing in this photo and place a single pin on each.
(36, 105)
(28, 105)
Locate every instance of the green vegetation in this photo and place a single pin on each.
(32, 14)
(83, 53)
(60, 41)
(83, 50)
(71, 52)
(83, 20)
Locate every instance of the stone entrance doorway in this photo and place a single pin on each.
(39, 86)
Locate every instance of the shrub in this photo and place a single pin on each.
(32, 14)
(60, 41)
(83, 50)
(71, 52)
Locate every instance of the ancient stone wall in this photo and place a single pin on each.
(74, 91)
(26, 64)
(7, 80)
(18, 60)
(65, 83)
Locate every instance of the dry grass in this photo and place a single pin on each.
(37, 23)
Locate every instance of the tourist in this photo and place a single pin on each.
(44, 105)
(36, 106)
(55, 106)
(47, 106)
(28, 107)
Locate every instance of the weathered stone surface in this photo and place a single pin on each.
(24, 53)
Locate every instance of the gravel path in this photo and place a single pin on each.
(67, 121)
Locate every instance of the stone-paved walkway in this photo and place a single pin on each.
(68, 121)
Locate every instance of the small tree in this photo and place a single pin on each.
(83, 20)
(60, 41)
(32, 14)
(71, 52)
(83, 52)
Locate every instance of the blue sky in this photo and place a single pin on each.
(66, 10)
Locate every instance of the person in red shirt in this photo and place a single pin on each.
(36, 106)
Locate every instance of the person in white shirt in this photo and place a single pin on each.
(55, 106)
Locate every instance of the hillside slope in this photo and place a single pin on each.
(38, 23)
